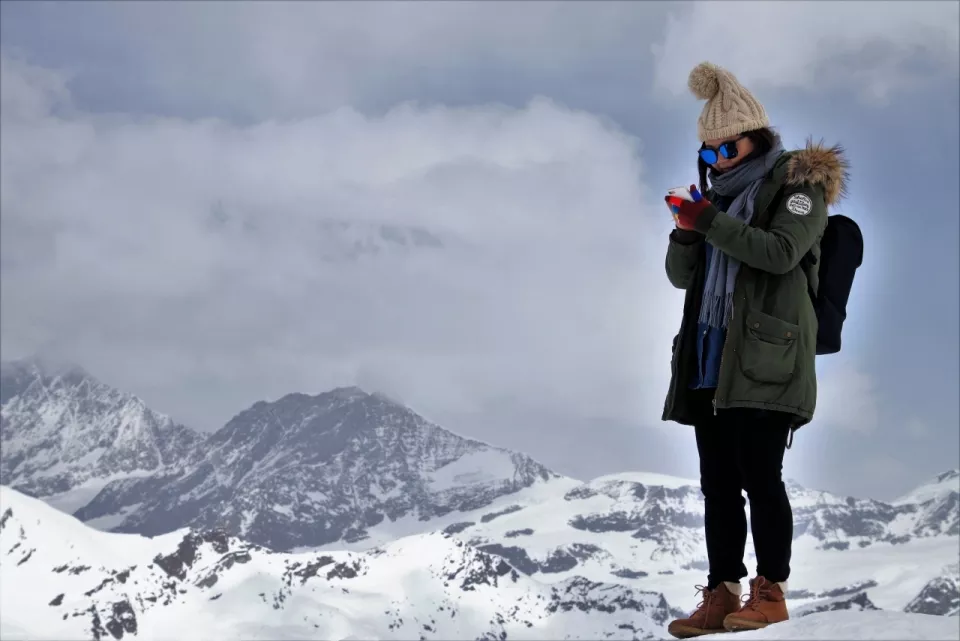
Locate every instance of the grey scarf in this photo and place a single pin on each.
(740, 183)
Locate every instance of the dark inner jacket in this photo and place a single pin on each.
(768, 359)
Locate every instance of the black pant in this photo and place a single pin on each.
(742, 449)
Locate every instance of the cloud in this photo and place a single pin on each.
(918, 428)
(449, 256)
(254, 61)
(873, 49)
(294, 59)
(846, 395)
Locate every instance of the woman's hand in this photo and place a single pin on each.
(685, 212)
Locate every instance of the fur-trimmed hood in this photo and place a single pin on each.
(818, 164)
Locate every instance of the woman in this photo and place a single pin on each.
(743, 361)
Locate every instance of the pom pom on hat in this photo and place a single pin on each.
(704, 80)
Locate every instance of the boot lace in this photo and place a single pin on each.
(707, 598)
(759, 592)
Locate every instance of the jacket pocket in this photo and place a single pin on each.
(769, 351)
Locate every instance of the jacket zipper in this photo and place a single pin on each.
(723, 352)
(718, 382)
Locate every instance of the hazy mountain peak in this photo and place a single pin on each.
(938, 487)
(63, 429)
(17, 375)
(349, 392)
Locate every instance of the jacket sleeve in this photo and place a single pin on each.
(795, 226)
(683, 252)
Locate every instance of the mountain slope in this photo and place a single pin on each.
(936, 505)
(66, 434)
(646, 531)
(314, 470)
(77, 582)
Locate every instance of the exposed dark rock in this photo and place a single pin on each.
(485, 570)
(176, 563)
(941, 596)
(859, 601)
(310, 569)
(122, 619)
(486, 518)
(836, 545)
(860, 586)
(456, 528)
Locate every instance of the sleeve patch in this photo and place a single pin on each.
(799, 204)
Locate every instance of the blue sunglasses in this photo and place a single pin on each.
(728, 150)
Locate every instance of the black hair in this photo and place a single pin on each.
(763, 140)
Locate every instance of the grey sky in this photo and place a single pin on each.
(458, 204)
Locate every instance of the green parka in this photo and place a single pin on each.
(770, 348)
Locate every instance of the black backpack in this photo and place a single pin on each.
(841, 253)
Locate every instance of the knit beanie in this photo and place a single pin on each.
(730, 108)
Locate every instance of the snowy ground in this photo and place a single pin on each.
(850, 626)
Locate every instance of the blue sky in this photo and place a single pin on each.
(195, 198)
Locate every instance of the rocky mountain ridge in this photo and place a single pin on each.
(64, 432)
(296, 472)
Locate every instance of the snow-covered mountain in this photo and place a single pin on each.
(646, 531)
(305, 471)
(936, 505)
(65, 434)
(75, 582)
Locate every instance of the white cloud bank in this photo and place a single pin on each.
(449, 257)
(873, 48)
(293, 59)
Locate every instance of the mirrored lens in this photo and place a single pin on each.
(709, 156)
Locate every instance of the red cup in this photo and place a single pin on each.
(676, 201)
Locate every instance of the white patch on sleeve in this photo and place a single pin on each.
(799, 204)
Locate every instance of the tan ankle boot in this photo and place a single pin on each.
(766, 605)
(709, 616)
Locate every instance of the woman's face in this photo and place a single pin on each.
(744, 148)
